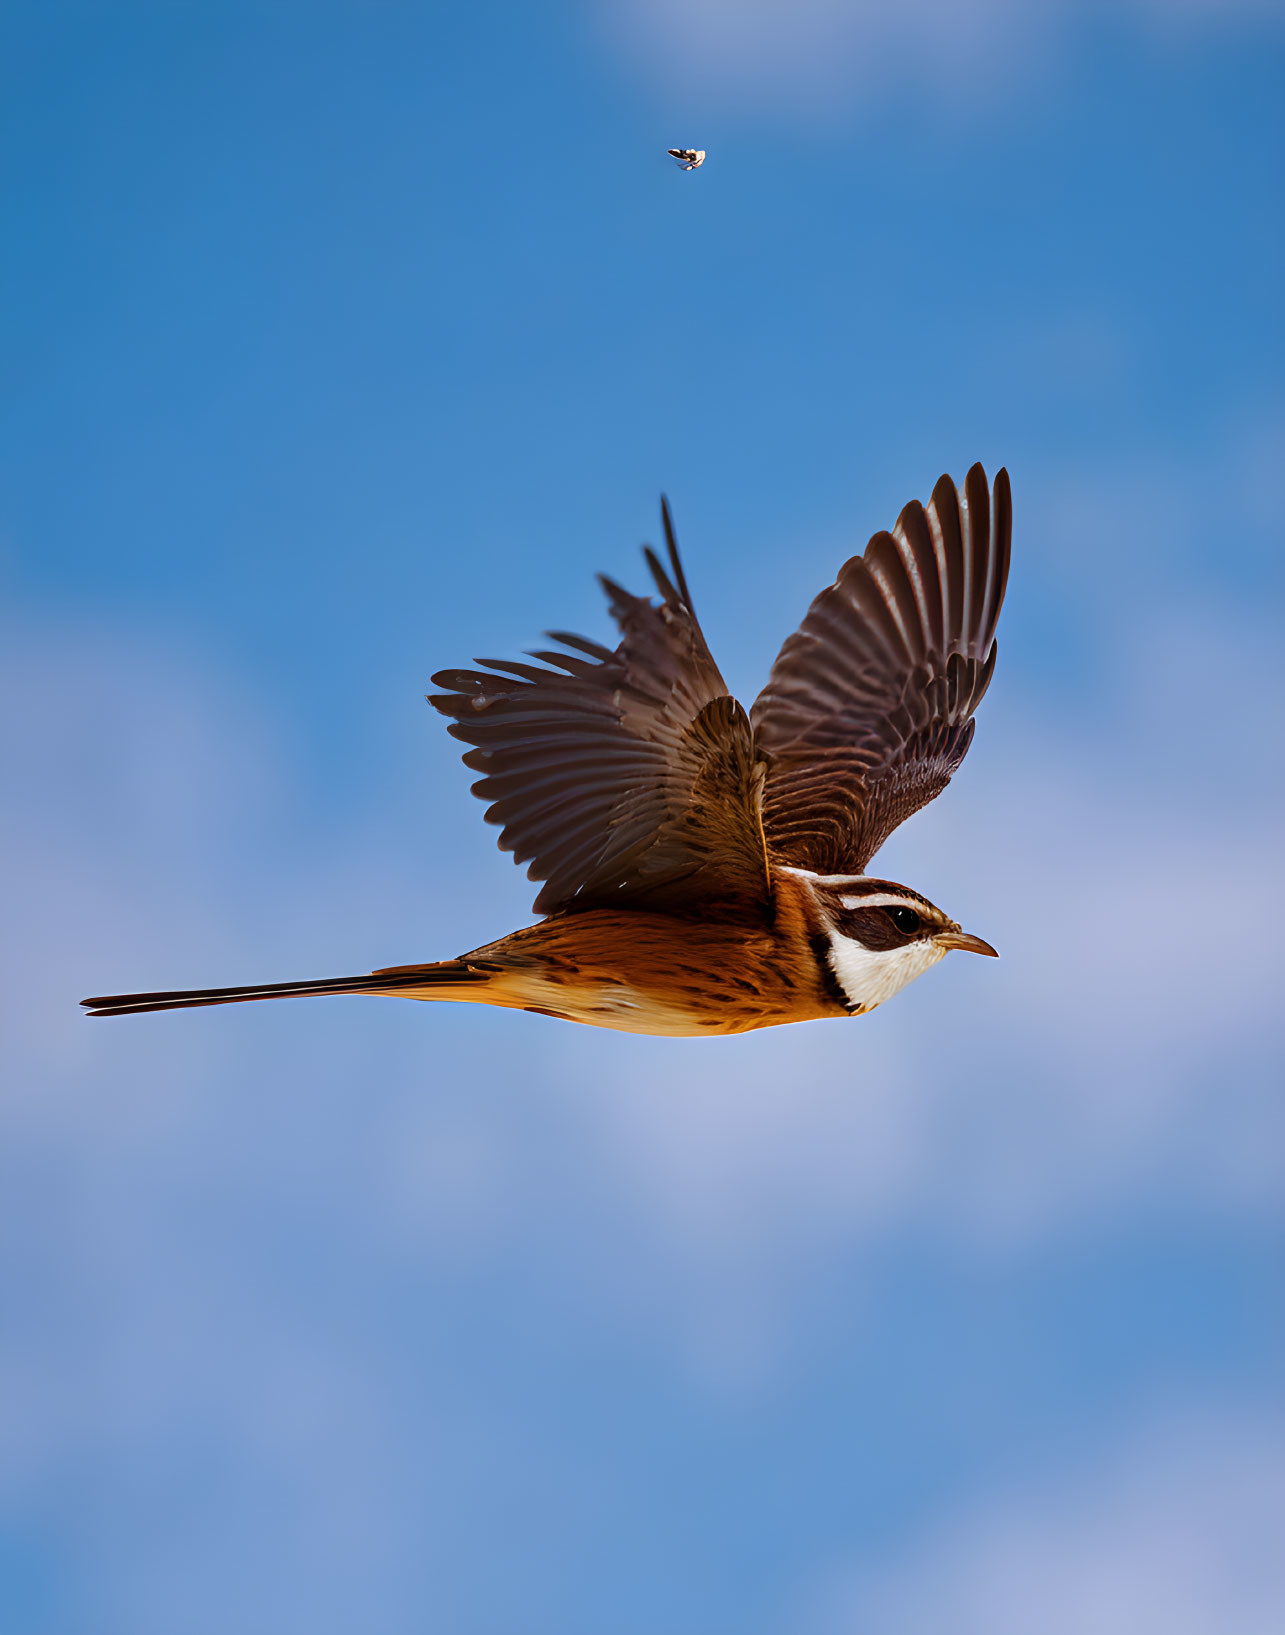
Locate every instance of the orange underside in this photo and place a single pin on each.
(647, 973)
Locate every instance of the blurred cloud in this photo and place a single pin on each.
(817, 57)
(1177, 1531)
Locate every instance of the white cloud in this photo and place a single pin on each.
(816, 56)
(1176, 1534)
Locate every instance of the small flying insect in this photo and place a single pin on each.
(687, 158)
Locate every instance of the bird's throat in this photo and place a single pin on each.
(868, 976)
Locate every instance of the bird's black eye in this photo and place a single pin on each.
(905, 919)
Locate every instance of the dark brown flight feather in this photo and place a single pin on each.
(868, 710)
(626, 777)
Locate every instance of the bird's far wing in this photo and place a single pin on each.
(623, 777)
(868, 710)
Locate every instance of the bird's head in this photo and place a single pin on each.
(878, 936)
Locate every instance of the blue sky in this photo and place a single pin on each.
(343, 342)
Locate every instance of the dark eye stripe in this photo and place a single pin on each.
(877, 929)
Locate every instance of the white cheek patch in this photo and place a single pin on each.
(869, 976)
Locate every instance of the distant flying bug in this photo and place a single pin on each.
(688, 158)
(704, 868)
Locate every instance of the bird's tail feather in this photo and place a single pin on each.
(395, 979)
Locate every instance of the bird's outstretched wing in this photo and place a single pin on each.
(623, 777)
(868, 710)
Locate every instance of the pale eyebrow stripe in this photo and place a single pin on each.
(880, 899)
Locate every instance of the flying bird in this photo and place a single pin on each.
(704, 869)
(688, 158)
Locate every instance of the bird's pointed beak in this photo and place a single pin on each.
(966, 941)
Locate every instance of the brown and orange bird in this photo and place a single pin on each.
(704, 869)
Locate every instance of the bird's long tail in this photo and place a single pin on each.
(396, 979)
